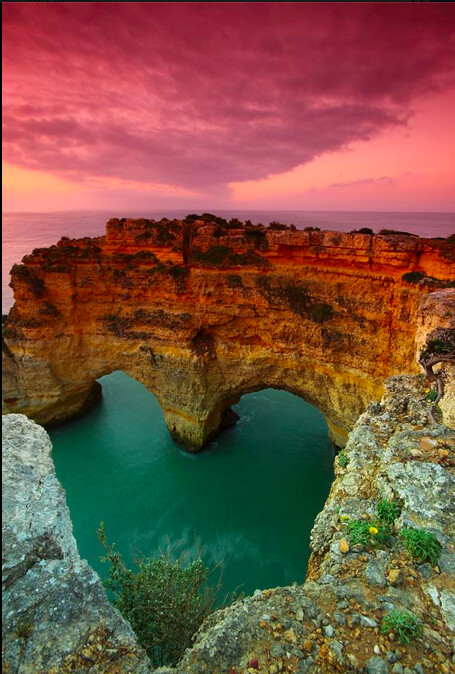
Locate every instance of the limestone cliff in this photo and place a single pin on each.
(56, 616)
(202, 313)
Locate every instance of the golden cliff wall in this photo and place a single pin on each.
(202, 314)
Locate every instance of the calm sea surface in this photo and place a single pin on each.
(248, 502)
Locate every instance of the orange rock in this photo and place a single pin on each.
(201, 320)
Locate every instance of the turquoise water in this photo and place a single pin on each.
(247, 503)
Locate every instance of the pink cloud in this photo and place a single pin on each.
(198, 95)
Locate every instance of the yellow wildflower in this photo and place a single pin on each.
(373, 531)
(426, 390)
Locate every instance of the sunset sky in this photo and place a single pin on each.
(328, 106)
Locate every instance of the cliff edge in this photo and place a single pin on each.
(202, 312)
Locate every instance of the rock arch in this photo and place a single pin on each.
(324, 315)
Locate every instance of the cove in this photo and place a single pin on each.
(246, 503)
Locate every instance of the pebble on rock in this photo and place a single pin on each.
(343, 546)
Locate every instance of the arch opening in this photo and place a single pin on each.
(248, 502)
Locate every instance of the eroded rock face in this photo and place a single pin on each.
(202, 314)
(332, 623)
(56, 616)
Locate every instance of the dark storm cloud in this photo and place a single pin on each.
(202, 94)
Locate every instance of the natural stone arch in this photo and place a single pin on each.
(324, 315)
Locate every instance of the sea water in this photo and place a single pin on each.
(246, 504)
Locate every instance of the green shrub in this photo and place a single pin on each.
(405, 625)
(215, 255)
(441, 346)
(319, 312)
(343, 459)
(257, 236)
(386, 232)
(164, 601)
(234, 281)
(388, 511)
(413, 276)
(362, 230)
(368, 533)
(421, 544)
(431, 396)
(277, 226)
(28, 276)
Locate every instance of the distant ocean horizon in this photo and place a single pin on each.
(22, 231)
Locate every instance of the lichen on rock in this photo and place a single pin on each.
(56, 616)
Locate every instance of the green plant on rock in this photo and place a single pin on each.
(165, 601)
(405, 625)
(413, 276)
(388, 511)
(421, 544)
(431, 396)
(343, 459)
(369, 533)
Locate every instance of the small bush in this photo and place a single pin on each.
(215, 255)
(28, 276)
(342, 459)
(257, 237)
(442, 344)
(405, 625)
(386, 232)
(368, 533)
(421, 544)
(319, 312)
(413, 276)
(362, 230)
(388, 511)
(312, 229)
(234, 281)
(164, 601)
(431, 396)
(277, 226)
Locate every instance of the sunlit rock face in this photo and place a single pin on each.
(202, 313)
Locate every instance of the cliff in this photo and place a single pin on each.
(204, 312)
(56, 618)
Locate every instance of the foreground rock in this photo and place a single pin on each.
(56, 616)
(332, 623)
(202, 313)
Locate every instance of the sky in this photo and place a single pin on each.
(311, 106)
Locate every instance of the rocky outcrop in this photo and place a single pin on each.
(203, 312)
(56, 616)
(333, 622)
